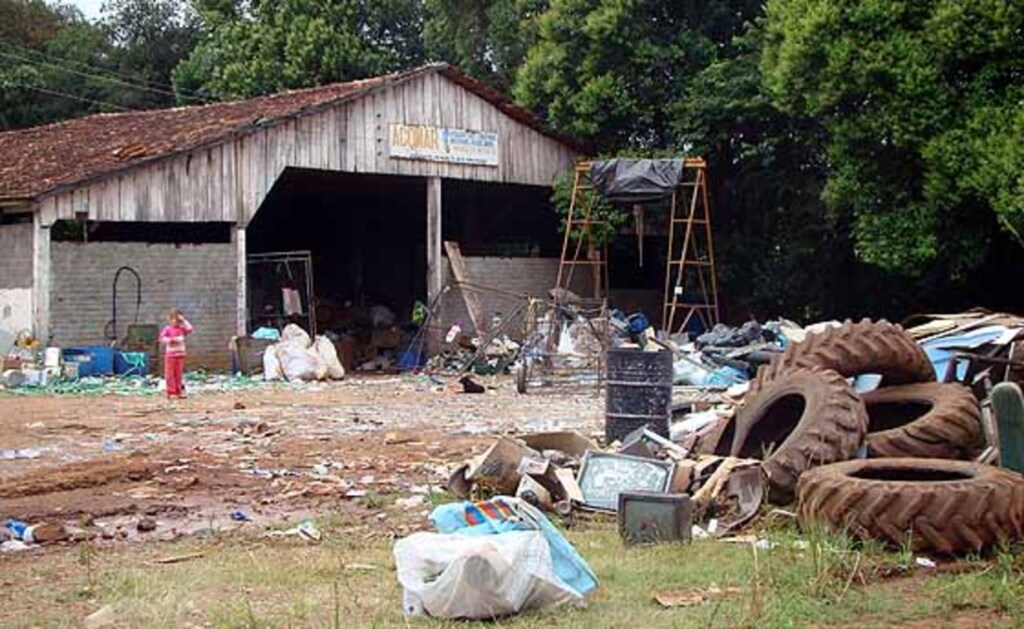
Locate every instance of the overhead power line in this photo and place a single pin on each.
(88, 75)
(93, 70)
(83, 99)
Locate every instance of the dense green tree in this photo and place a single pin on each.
(274, 45)
(924, 106)
(486, 38)
(54, 64)
(47, 53)
(611, 71)
(150, 38)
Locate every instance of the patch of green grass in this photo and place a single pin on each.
(808, 579)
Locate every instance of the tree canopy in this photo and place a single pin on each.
(274, 45)
(54, 64)
(924, 106)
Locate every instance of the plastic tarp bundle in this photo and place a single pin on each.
(636, 180)
(489, 559)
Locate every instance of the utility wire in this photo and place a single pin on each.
(43, 90)
(91, 76)
(115, 73)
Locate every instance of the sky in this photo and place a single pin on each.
(91, 8)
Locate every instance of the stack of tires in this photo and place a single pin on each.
(812, 432)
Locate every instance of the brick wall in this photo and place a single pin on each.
(198, 279)
(16, 255)
(16, 277)
(529, 276)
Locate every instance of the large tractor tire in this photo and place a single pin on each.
(933, 505)
(853, 349)
(805, 418)
(929, 420)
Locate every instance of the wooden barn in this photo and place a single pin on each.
(325, 200)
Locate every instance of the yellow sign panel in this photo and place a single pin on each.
(443, 144)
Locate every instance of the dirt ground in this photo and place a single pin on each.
(273, 454)
(366, 460)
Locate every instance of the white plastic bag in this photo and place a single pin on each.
(486, 576)
(300, 363)
(294, 334)
(329, 354)
(271, 365)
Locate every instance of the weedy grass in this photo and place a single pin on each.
(805, 579)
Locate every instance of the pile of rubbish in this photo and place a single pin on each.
(298, 358)
(844, 419)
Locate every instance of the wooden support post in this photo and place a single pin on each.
(476, 312)
(41, 279)
(242, 282)
(435, 261)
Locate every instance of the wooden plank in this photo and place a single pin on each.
(435, 272)
(41, 279)
(469, 294)
(241, 286)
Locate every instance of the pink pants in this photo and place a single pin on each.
(174, 369)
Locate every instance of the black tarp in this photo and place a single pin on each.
(636, 180)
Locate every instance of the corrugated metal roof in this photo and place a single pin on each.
(42, 159)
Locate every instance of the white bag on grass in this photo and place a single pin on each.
(271, 365)
(486, 576)
(325, 348)
(294, 334)
(300, 363)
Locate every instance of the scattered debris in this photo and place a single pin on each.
(178, 558)
(145, 525)
(690, 598)
(102, 617)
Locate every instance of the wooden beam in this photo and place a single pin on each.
(435, 270)
(41, 279)
(242, 285)
(476, 311)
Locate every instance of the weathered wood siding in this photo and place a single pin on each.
(229, 181)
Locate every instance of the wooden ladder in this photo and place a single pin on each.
(688, 276)
(580, 221)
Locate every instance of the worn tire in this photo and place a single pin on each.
(930, 420)
(937, 505)
(855, 348)
(807, 417)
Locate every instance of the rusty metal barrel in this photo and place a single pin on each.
(638, 392)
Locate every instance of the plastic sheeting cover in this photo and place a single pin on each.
(636, 180)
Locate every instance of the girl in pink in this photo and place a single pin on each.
(172, 338)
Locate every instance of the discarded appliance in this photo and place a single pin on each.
(646, 518)
(603, 476)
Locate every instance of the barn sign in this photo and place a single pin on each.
(443, 144)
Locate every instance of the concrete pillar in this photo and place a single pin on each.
(40, 279)
(435, 261)
(242, 279)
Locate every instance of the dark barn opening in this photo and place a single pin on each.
(500, 220)
(366, 234)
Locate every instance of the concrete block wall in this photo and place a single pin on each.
(528, 276)
(16, 277)
(198, 279)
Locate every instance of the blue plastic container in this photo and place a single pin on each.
(131, 363)
(102, 360)
(411, 359)
(81, 357)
